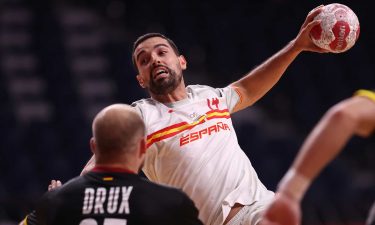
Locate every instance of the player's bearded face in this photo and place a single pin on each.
(164, 80)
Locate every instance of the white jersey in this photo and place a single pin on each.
(192, 145)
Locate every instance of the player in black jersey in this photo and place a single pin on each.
(353, 116)
(112, 193)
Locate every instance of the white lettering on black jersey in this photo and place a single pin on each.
(96, 200)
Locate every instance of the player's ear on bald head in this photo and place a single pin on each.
(93, 145)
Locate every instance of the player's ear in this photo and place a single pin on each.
(141, 81)
(93, 145)
(183, 62)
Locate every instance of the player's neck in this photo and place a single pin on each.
(176, 95)
(132, 167)
(112, 169)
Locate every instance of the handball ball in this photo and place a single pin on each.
(338, 30)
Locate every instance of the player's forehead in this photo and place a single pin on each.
(150, 44)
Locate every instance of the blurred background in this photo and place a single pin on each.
(63, 61)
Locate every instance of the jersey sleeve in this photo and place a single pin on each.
(30, 219)
(231, 96)
(137, 109)
(366, 93)
(46, 207)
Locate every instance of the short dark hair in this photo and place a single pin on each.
(151, 35)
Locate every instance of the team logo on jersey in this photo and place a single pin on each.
(213, 102)
(195, 116)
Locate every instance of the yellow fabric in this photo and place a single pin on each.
(366, 93)
(24, 221)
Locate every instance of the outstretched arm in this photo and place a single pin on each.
(260, 80)
(354, 116)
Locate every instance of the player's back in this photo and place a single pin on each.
(115, 198)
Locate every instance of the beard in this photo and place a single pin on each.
(165, 85)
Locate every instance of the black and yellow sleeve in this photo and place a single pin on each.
(366, 93)
(30, 219)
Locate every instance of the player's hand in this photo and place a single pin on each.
(303, 41)
(54, 184)
(282, 211)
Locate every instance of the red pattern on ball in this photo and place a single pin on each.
(341, 31)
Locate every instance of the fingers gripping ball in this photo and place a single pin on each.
(338, 30)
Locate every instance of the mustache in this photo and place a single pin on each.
(152, 76)
(159, 65)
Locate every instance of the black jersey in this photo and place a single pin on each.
(114, 198)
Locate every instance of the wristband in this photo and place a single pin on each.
(294, 184)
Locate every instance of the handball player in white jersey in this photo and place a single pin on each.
(191, 141)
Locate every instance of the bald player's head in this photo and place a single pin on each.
(117, 130)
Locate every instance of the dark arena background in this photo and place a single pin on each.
(62, 61)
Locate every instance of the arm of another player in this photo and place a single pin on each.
(354, 116)
(261, 79)
(89, 165)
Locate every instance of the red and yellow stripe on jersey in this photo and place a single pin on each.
(175, 129)
(366, 93)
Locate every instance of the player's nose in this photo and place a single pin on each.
(155, 59)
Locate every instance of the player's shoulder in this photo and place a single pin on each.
(162, 189)
(205, 90)
(198, 88)
(174, 197)
(143, 102)
(148, 108)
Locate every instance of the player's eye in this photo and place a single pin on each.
(162, 52)
(143, 61)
